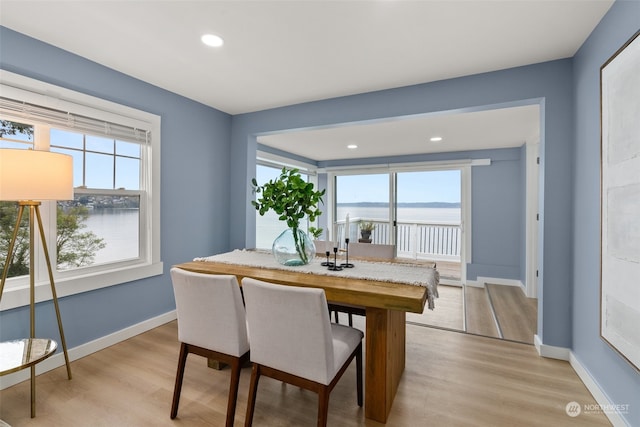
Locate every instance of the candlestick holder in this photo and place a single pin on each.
(327, 263)
(334, 265)
(347, 264)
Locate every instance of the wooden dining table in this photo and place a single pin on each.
(385, 303)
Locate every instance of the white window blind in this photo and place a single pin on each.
(73, 121)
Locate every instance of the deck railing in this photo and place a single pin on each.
(415, 239)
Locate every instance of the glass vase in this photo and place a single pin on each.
(292, 251)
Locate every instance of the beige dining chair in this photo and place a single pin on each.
(372, 250)
(212, 324)
(293, 340)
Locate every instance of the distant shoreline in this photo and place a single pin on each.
(402, 205)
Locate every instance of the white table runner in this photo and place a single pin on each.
(413, 274)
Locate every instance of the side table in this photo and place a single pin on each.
(25, 353)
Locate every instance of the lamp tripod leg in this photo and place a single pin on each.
(5, 270)
(53, 293)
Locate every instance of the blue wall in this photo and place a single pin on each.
(547, 84)
(620, 381)
(496, 200)
(195, 187)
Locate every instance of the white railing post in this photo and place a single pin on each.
(413, 245)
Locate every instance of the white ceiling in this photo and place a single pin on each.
(508, 127)
(280, 53)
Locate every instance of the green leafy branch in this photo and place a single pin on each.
(292, 199)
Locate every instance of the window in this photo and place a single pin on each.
(110, 232)
(14, 135)
(105, 215)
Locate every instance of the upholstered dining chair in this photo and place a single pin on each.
(212, 324)
(372, 250)
(293, 340)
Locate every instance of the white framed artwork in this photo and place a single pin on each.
(620, 201)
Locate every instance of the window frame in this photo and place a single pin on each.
(84, 279)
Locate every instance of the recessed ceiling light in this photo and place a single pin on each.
(436, 139)
(352, 146)
(212, 40)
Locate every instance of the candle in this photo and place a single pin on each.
(346, 227)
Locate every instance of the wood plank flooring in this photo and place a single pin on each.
(448, 270)
(448, 313)
(451, 379)
(516, 314)
(496, 311)
(480, 319)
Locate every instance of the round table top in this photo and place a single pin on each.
(20, 354)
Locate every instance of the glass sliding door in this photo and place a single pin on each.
(365, 198)
(428, 217)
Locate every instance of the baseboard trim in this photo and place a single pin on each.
(86, 349)
(583, 373)
(598, 394)
(481, 281)
(499, 281)
(550, 351)
(474, 284)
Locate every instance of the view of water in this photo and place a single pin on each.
(119, 229)
(270, 227)
(438, 215)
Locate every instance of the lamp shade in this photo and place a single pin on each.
(35, 175)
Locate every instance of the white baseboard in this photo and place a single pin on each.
(474, 284)
(563, 353)
(480, 282)
(499, 281)
(86, 349)
(600, 396)
(552, 352)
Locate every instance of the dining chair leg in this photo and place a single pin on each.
(253, 389)
(359, 374)
(182, 360)
(323, 406)
(233, 391)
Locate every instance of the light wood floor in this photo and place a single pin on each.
(451, 379)
(449, 269)
(448, 313)
(516, 315)
(494, 311)
(480, 318)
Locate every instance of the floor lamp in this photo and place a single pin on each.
(29, 176)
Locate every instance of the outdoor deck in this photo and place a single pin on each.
(423, 241)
